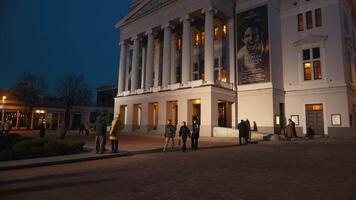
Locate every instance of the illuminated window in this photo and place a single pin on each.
(318, 20)
(216, 33)
(312, 64)
(309, 19)
(314, 107)
(179, 44)
(307, 71)
(225, 30)
(300, 22)
(196, 38)
(203, 38)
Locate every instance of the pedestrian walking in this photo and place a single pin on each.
(42, 130)
(255, 126)
(1, 128)
(100, 130)
(242, 126)
(248, 135)
(7, 127)
(294, 130)
(169, 134)
(195, 134)
(86, 128)
(289, 130)
(184, 133)
(115, 131)
(81, 129)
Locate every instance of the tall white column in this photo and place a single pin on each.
(135, 62)
(173, 58)
(186, 50)
(149, 60)
(209, 46)
(122, 67)
(156, 62)
(166, 55)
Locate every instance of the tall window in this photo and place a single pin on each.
(318, 20)
(312, 64)
(300, 22)
(309, 19)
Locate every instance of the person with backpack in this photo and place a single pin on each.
(184, 133)
(169, 134)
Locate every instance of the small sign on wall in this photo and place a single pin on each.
(336, 119)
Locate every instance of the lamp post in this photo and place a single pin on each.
(3, 109)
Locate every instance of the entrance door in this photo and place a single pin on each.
(315, 119)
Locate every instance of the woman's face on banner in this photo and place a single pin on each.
(251, 37)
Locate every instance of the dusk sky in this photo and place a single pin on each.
(55, 37)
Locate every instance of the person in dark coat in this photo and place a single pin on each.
(100, 130)
(242, 132)
(248, 135)
(294, 130)
(42, 130)
(81, 129)
(169, 134)
(195, 134)
(184, 133)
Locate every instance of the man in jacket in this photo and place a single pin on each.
(242, 132)
(184, 133)
(100, 130)
(195, 134)
(169, 134)
(115, 130)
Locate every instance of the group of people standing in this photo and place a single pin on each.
(5, 127)
(184, 134)
(100, 128)
(244, 131)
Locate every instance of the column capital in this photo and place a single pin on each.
(134, 38)
(167, 25)
(210, 9)
(122, 43)
(149, 32)
(186, 18)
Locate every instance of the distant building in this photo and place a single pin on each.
(105, 95)
(50, 110)
(225, 60)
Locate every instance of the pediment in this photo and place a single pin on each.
(310, 39)
(144, 8)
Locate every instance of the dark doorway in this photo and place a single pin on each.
(222, 121)
(314, 119)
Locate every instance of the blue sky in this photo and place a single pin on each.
(54, 37)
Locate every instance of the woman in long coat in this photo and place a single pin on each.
(289, 130)
(115, 131)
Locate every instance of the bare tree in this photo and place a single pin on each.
(29, 89)
(73, 90)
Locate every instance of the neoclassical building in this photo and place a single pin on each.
(221, 61)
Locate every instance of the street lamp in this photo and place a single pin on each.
(3, 109)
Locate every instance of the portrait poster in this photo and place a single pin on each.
(253, 59)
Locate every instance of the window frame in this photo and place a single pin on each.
(312, 60)
(300, 22)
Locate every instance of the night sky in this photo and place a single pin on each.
(54, 37)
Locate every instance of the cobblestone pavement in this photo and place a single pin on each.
(315, 169)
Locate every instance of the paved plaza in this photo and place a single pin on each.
(310, 169)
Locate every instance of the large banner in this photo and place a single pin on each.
(253, 46)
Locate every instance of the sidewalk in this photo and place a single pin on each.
(128, 145)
